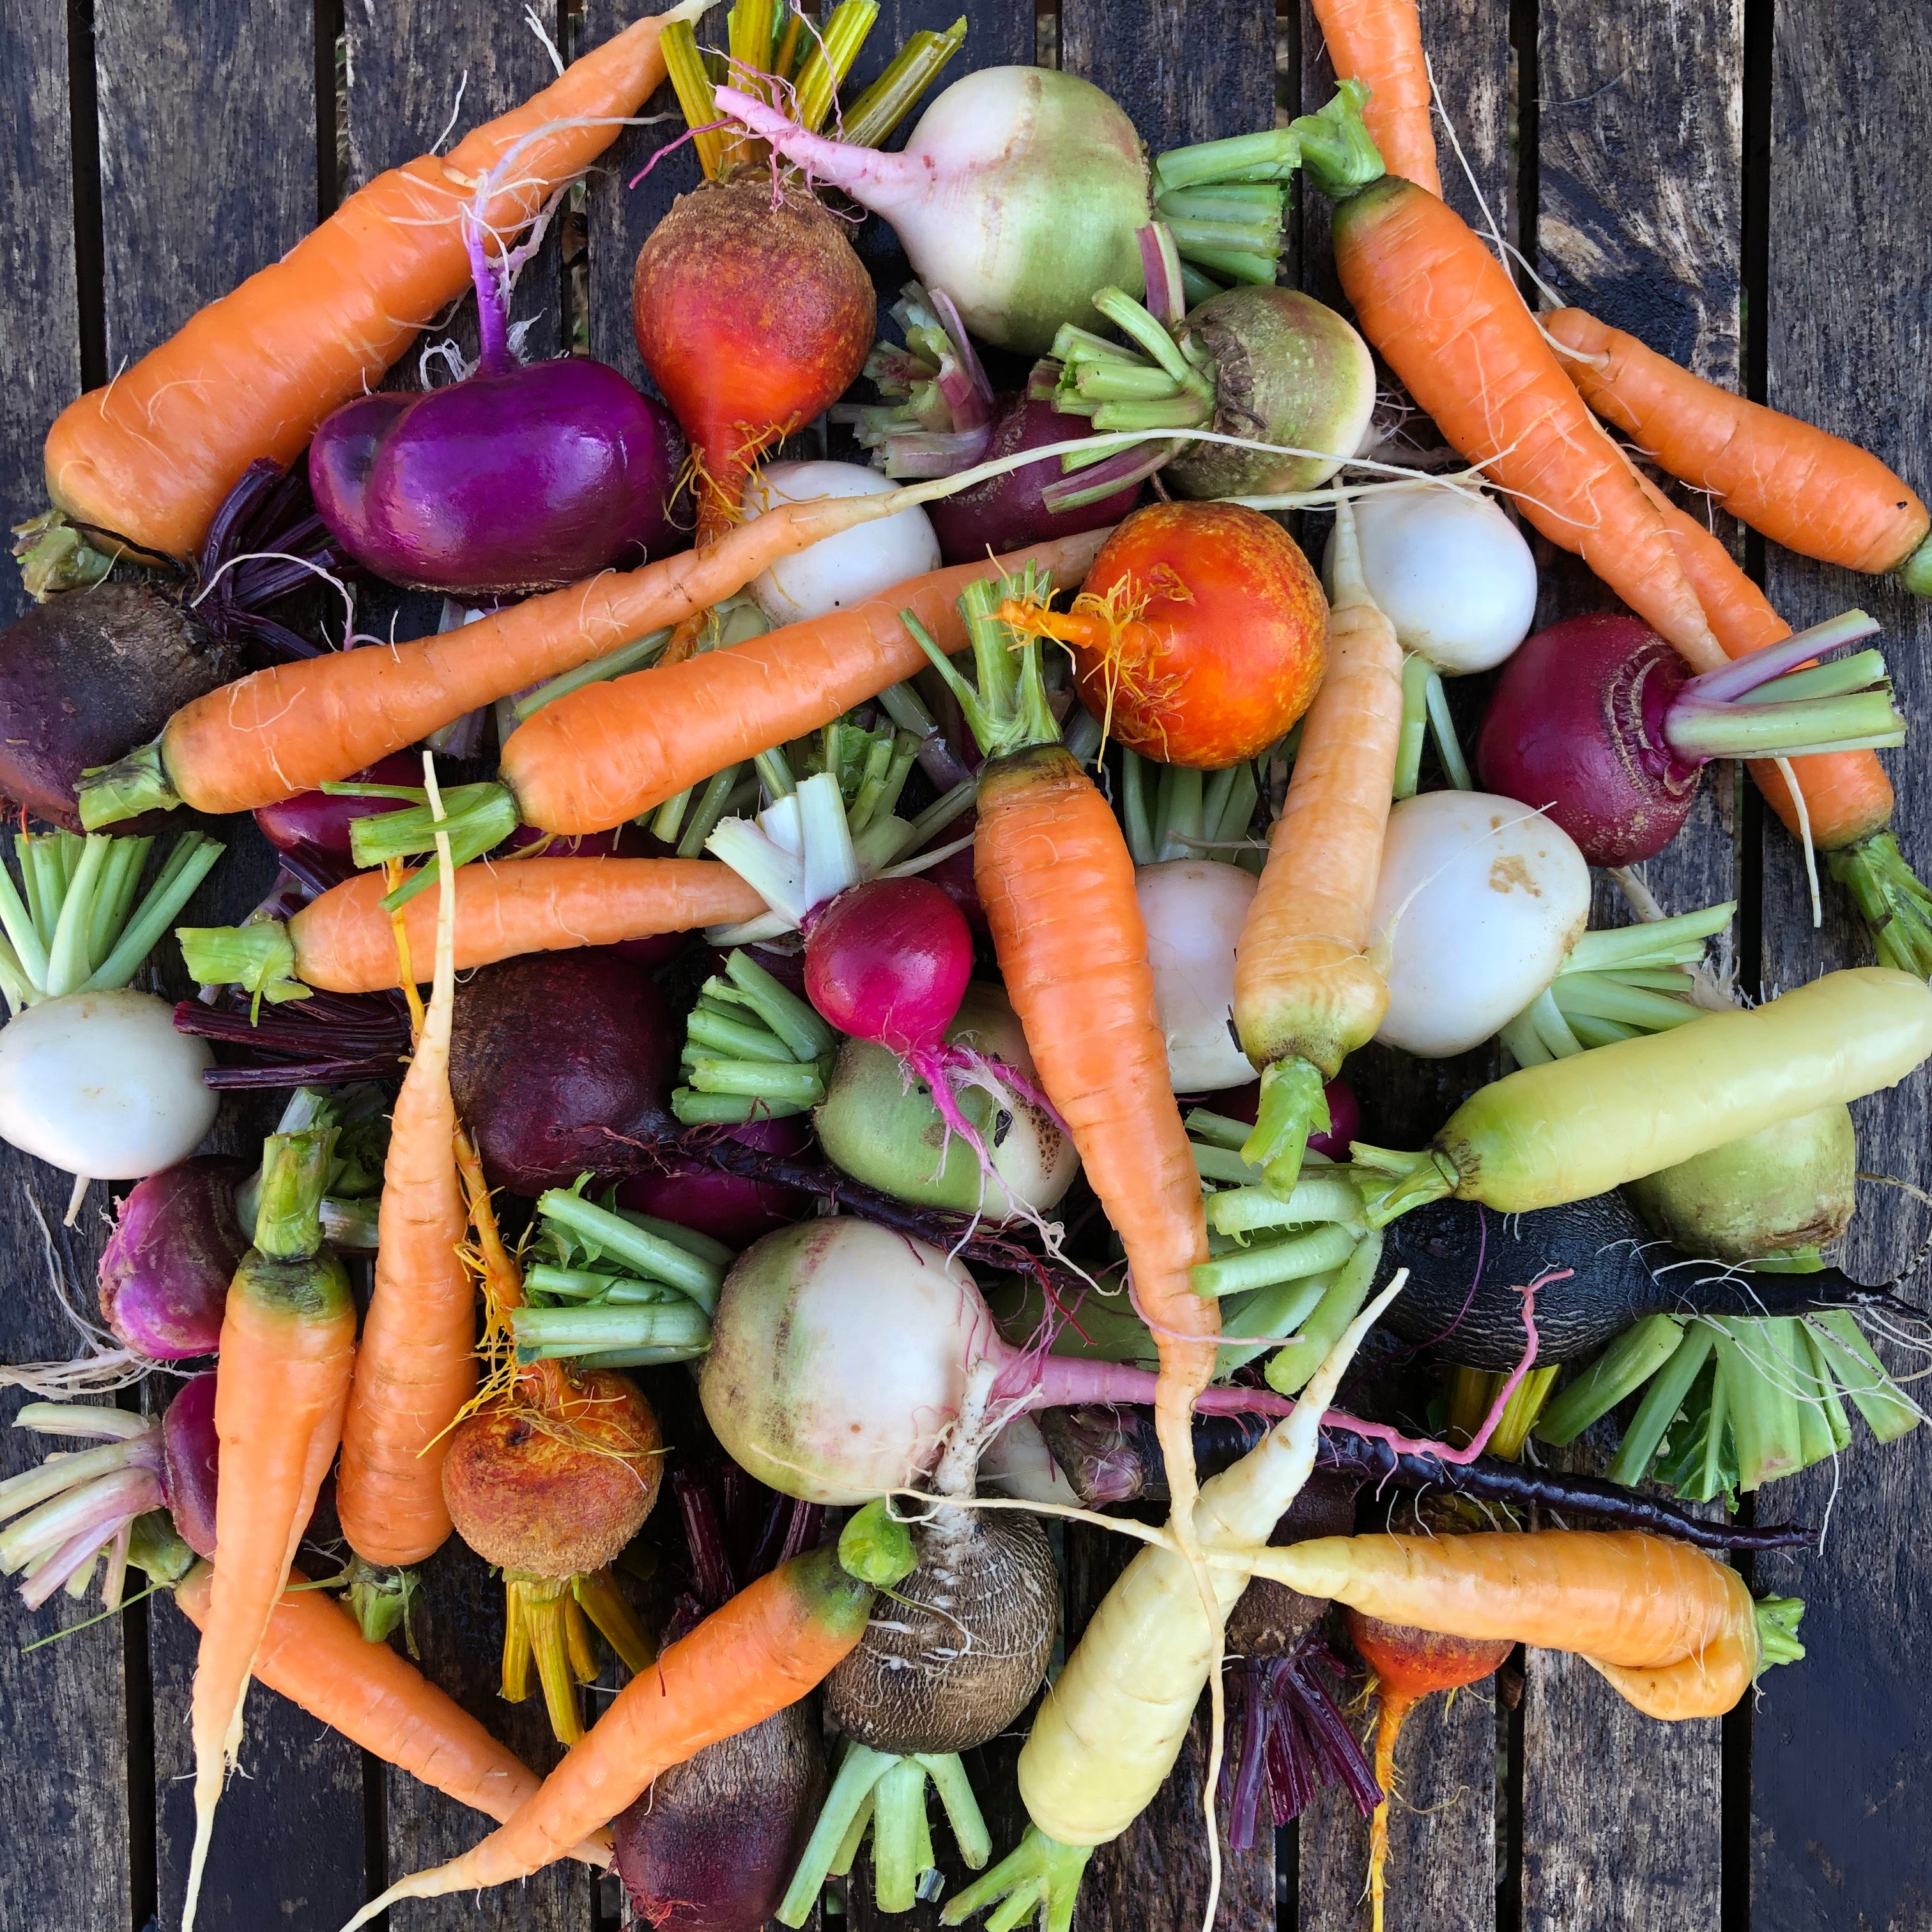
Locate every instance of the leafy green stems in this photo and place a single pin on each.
(753, 1050)
(1190, 814)
(1005, 705)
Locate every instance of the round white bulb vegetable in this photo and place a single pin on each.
(1449, 571)
(1194, 909)
(101, 1084)
(1479, 900)
(844, 569)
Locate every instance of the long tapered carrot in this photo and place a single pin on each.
(1306, 994)
(578, 766)
(312, 1655)
(417, 1364)
(288, 1345)
(1812, 492)
(1442, 312)
(152, 454)
(1672, 1629)
(343, 941)
(292, 727)
(767, 1648)
(1379, 43)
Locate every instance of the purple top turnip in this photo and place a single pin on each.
(165, 1271)
(518, 477)
(1599, 723)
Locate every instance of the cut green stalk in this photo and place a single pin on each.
(1815, 1439)
(1661, 1401)
(1136, 820)
(1759, 1402)
(1289, 1368)
(1831, 1404)
(1832, 679)
(1216, 1130)
(1328, 1196)
(1417, 671)
(1442, 729)
(1275, 1311)
(708, 1027)
(626, 658)
(1473, 1393)
(1294, 1105)
(795, 1088)
(1896, 907)
(601, 1231)
(1599, 996)
(661, 1325)
(1629, 1362)
(795, 1022)
(835, 47)
(582, 1285)
(1678, 941)
(1889, 1413)
(1314, 1252)
(1177, 812)
(872, 118)
(1225, 1164)
(685, 67)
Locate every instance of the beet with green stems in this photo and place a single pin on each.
(519, 477)
(562, 1064)
(1599, 723)
(1467, 1266)
(165, 1271)
(709, 1847)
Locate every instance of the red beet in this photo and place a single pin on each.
(165, 1271)
(753, 315)
(322, 819)
(727, 1207)
(191, 1453)
(563, 1063)
(1005, 513)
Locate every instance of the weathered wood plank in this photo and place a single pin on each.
(1156, 1872)
(1842, 1744)
(1639, 154)
(38, 302)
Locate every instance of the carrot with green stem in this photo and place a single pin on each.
(1109, 1732)
(148, 459)
(1800, 486)
(417, 1364)
(288, 1344)
(1843, 800)
(1446, 317)
(343, 941)
(767, 1648)
(1307, 992)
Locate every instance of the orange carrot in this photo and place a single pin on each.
(288, 1343)
(1673, 1630)
(295, 726)
(1379, 43)
(343, 941)
(1803, 488)
(1435, 303)
(312, 1655)
(767, 1648)
(417, 1364)
(152, 456)
(600, 756)
(1306, 995)
(1408, 1664)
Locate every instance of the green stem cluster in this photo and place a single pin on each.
(1297, 1268)
(1426, 714)
(1005, 704)
(753, 1050)
(1731, 1402)
(1192, 815)
(614, 1288)
(1895, 906)
(72, 924)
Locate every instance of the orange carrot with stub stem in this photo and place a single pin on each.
(1847, 796)
(1379, 43)
(767, 1648)
(312, 1655)
(1306, 994)
(288, 1345)
(1800, 486)
(1674, 1630)
(152, 456)
(342, 941)
(1444, 316)
(417, 1364)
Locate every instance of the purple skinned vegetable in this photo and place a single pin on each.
(165, 1271)
(732, 1208)
(191, 1460)
(320, 820)
(519, 478)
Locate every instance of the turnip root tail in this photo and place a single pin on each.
(880, 181)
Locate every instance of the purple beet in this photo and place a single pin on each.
(191, 1453)
(563, 1063)
(518, 477)
(321, 819)
(728, 1206)
(1005, 513)
(165, 1271)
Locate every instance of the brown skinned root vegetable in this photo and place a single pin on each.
(948, 1662)
(550, 1485)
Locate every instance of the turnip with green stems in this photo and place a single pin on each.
(94, 1077)
(1020, 191)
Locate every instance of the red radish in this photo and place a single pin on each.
(321, 820)
(753, 315)
(1599, 723)
(888, 961)
(1409, 1664)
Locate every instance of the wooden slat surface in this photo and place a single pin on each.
(1841, 1763)
(206, 140)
